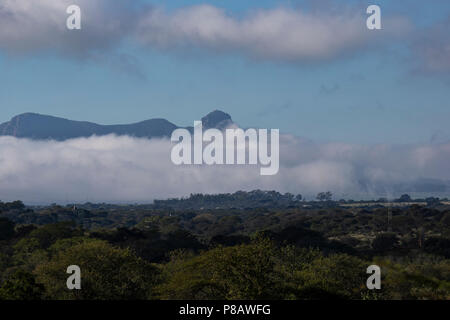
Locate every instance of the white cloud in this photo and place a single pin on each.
(125, 169)
(29, 26)
(279, 34)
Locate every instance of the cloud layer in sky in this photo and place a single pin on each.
(278, 34)
(125, 169)
(29, 26)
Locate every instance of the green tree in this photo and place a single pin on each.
(324, 196)
(335, 276)
(385, 241)
(28, 254)
(404, 198)
(6, 229)
(239, 272)
(107, 273)
(48, 234)
(423, 277)
(21, 286)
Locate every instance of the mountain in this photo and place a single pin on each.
(217, 119)
(41, 127)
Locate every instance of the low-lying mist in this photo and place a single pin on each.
(122, 169)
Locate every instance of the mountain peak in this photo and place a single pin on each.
(217, 119)
(27, 115)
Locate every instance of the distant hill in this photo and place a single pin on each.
(42, 127)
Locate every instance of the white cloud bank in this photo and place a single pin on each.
(278, 34)
(124, 169)
(30, 26)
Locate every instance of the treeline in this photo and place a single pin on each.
(239, 199)
(272, 199)
(356, 225)
(15, 205)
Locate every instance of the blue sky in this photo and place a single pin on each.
(375, 92)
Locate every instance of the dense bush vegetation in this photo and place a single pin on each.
(283, 248)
